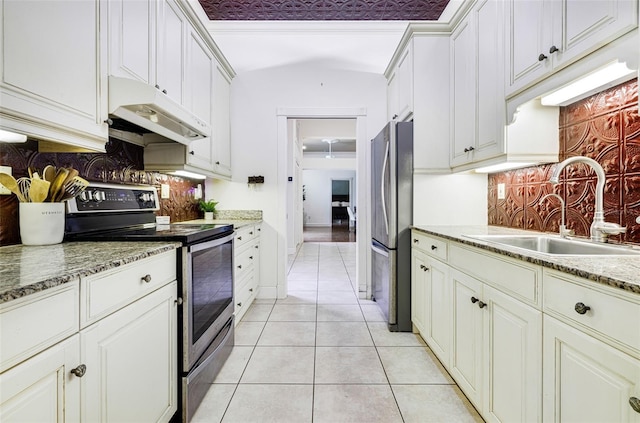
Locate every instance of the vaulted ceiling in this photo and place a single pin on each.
(323, 10)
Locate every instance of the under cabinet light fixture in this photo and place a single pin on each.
(608, 76)
(188, 174)
(12, 137)
(500, 167)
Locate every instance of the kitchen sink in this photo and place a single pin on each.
(556, 246)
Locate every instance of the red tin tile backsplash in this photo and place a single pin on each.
(120, 164)
(604, 127)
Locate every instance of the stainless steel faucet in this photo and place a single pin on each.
(564, 232)
(600, 229)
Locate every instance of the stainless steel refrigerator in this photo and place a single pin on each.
(392, 214)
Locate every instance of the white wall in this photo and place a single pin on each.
(255, 100)
(317, 206)
(459, 199)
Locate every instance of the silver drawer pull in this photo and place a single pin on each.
(79, 371)
(146, 278)
(635, 404)
(580, 308)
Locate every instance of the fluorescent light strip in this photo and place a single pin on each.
(12, 137)
(503, 166)
(187, 174)
(587, 85)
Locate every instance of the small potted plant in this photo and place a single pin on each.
(209, 208)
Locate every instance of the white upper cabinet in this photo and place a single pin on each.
(199, 76)
(147, 43)
(418, 91)
(463, 92)
(52, 71)
(170, 66)
(221, 121)
(481, 134)
(546, 35)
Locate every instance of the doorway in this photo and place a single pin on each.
(288, 130)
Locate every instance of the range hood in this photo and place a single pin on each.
(149, 108)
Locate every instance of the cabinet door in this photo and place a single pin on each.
(131, 359)
(199, 77)
(513, 341)
(419, 281)
(490, 102)
(221, 122)
(404, 75)
(586, 380)
(392, 97)
(171, 30)
(528, 36)
(42, 389)
(132, 39)
(463, 93)
(438, 309)
(52, 72)
(585, 25)
(467, 357)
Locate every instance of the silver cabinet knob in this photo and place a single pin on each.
(146, 278)
(635, 404)
(79, 371)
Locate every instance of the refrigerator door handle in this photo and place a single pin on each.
(380, 251)
(382, 193)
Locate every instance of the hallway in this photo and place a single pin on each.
(323, 355)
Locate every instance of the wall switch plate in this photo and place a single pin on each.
(164, 190)
(3, 189)
(501, 192)
(197, 192)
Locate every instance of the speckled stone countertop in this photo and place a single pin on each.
(618, 271)
(237, 224)
(26, 270)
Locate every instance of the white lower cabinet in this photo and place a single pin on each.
(43, 389)
(431, 303)
(586, 380)
(489, 341)
(131, 362)
(527, 344)
(246, 262)
(100, 349)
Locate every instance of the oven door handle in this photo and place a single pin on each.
(210, 244)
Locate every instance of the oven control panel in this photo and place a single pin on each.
(115, 198)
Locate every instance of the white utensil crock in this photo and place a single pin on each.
(41, 223)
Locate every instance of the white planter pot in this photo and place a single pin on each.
(208, 215)
(41, 223)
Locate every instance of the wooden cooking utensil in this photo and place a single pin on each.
(49, 173)
(12, 185)
(57, 185)
(72, 174)
(39, 190)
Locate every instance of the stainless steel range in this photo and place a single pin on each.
(107, 212)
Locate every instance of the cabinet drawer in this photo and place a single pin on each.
(610, 314)
(31, 324)
(245, 293)
(514, 277)
(106, 292)
(244, 261)
(244, 235)
(435, 247)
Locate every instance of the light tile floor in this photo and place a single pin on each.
(323, 355)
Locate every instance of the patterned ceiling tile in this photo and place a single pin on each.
(323, 10)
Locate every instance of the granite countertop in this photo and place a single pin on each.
(237, 224)
(618, 271)
(26, 270)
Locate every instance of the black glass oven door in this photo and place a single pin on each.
(209, 296)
